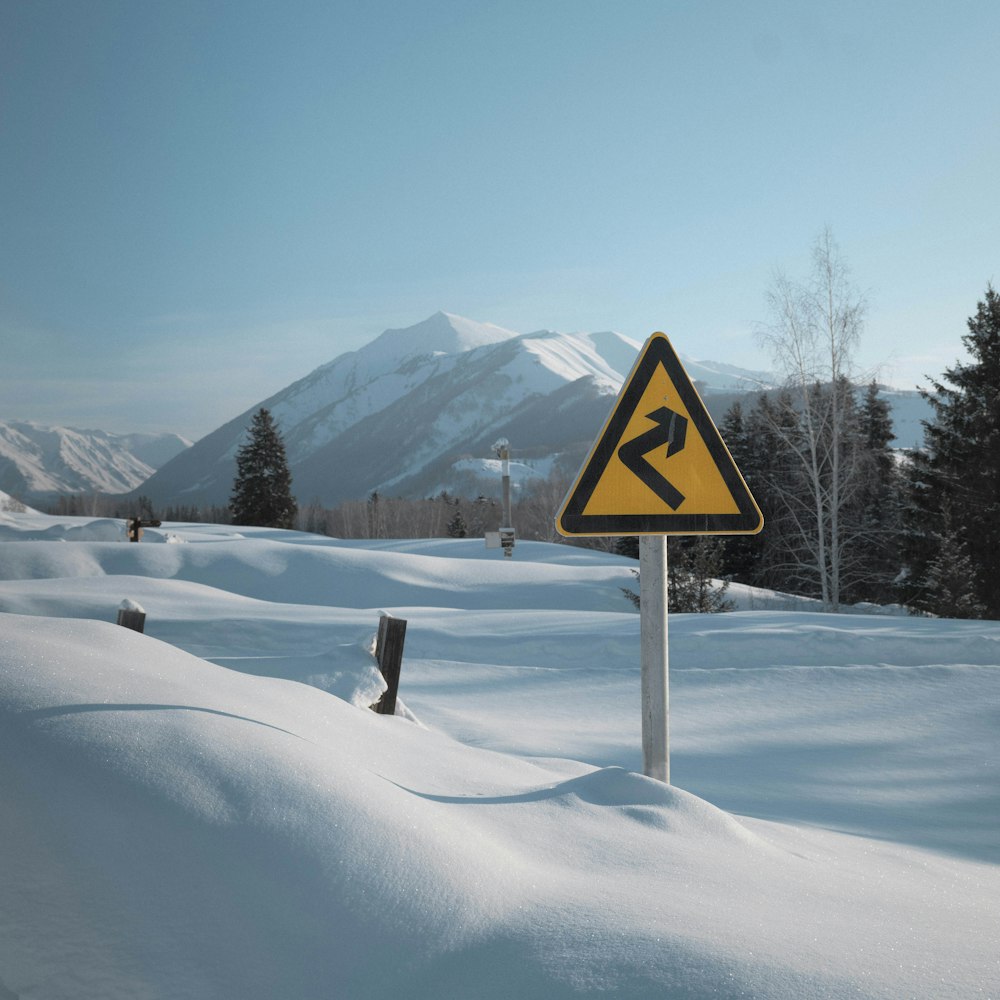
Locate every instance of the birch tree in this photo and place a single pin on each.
(814, 329)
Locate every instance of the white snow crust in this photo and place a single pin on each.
(209, 810)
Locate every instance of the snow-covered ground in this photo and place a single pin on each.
(209, 811)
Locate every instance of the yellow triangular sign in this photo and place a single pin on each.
(659, 466)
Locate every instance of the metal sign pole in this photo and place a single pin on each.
(502, 448)
(658, 467)
(654, 656)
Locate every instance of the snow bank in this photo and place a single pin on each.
(181, 828)
(190, 812)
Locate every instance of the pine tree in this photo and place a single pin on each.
(958, 470)
(877, 506)
(693, 564)
(948, 587)
(262, 488)
(627, 546)
(694, 577)
(741, 555)
(456, 526)
(773, 473)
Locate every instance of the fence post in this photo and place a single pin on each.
(389, 654)
(132, 616)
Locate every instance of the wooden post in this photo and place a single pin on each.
(132, 619)
(389, 654)
(654, 656)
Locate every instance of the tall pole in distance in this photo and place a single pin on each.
(502, 448)
(654, 657)
(505, 477)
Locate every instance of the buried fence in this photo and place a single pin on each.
(389, 655)
(388, 649)
(131, 615)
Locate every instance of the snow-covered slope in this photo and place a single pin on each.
(35, 459)
(412, 412)
(209, 811)
(403, 413)
(10, 504)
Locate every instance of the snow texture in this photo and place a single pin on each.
(38, 459)
(209, 810)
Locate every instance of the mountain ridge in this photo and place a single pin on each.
(411, 413)
(38, 459)
(398, 414)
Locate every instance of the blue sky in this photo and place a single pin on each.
(203, 201)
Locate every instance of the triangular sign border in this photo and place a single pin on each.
(572, 521)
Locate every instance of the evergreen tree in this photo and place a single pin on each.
(262, 488)
(958, 469)
(628, 546)
(694, 577)
(144, 510)
(948, 586)
(692, 566)
(456, 526)
(741, 554)
(877, 506)
(773, 473)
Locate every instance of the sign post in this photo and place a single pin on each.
(654, 657)
(659, 467)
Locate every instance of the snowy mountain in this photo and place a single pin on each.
(418, 409)
(36, 460)
(409, 412)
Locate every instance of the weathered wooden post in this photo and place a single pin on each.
(389, 654)
(132, 616)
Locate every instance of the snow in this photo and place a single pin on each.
(10, 503)
(570, 358)
(486, 473)
(35, 458)
(208, 810)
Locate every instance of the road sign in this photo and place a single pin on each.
(659, 466)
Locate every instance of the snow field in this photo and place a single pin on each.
(182, 816)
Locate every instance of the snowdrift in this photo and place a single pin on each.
(192, 813)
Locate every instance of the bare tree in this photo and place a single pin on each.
(814, 329)
(535, 510)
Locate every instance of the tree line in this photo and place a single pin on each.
(848, 519)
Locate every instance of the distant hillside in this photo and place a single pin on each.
(417, 411)
(36, 460)
(410, 413)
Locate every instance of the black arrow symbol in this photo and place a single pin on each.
(670, 430)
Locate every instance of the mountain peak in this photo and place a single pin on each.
(442, 333)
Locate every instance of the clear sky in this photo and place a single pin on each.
(201, 201)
